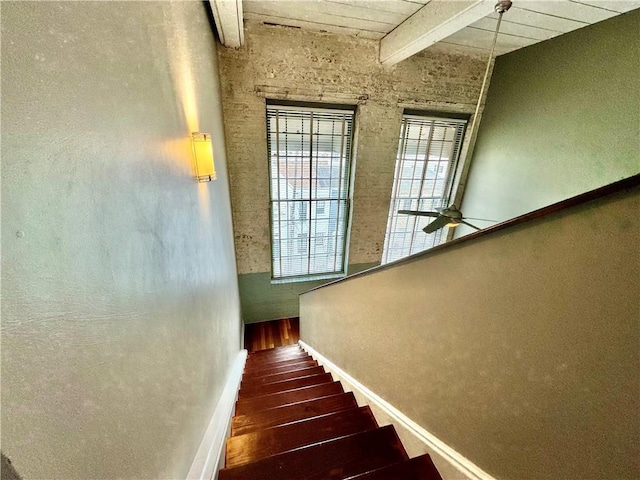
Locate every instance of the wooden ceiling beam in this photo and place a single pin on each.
(434, 22)
(228, 17)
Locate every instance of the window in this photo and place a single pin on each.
(309, 168)
(428, 151)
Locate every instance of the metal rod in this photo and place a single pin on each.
(486, 75)
(501, 7)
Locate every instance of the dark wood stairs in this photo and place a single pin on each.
(293, 422)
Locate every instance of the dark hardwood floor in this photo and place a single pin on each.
(276, 333)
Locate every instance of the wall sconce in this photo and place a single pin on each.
(203, 156)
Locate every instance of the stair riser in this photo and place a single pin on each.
(291, 413)
(419, 468)
(279, 377)
(272, 441)
(277, 350)
(256, 404)
(337, 459)
(285, 369)
(275, 364)
(248, 392)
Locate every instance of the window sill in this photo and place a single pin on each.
(307, 278)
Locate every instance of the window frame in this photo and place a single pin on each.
(413, 203)
(310, 203)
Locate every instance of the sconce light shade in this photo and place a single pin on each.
(203, 156)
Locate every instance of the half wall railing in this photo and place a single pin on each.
(517, 346)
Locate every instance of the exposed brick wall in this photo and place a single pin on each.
(297, 64)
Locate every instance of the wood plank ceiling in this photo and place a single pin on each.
(528, 21)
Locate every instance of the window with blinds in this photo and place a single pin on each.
(428, 152)
(309, 168)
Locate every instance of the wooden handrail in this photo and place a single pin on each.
(601, 192)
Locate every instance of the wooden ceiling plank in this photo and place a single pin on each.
(579, 12)
(313, 26)
(540, 20)
(473, 50)
(227, 15)
(313, 12)
(396, 6)
(620, 6)
(432, 23)
(516, 29)
(352, 10)
(471, 36)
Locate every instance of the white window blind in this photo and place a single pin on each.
(309, 160)
(428, 151)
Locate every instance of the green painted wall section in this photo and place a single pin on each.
(261, 300)
(562, 117)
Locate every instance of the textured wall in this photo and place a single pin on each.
(262, 300)
(518, 349)
(120, 307)
(562, 117)
(281, 62)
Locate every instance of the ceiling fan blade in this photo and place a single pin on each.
(419, 213)
(436, 224)
(469, 225)
(476, 218)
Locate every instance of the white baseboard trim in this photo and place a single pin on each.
(208, 459)
(462, 464)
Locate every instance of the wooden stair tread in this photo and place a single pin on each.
(282, 369)
(257, 366)
(291, 413)
(279, 358)
(290, 384)
(276, 350)
(257, 445)
(254, 404)
(294, 423)
(278, 377)
(275, 362)
(251, 360)
(335, 459)
(418, 468)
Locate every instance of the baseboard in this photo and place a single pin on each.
(208, 459)
(432, 444)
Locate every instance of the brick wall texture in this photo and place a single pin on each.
(282, 62)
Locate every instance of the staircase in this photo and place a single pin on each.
(293, 422)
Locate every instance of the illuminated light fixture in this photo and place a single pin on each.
(203, 156)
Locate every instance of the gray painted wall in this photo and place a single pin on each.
(518, 349)
(562, 117)
(120, 306)
(280, 62)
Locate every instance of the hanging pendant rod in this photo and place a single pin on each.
(501, 7)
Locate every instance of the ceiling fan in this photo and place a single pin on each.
(450, 216)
